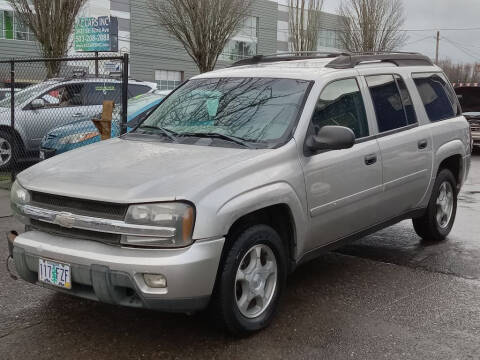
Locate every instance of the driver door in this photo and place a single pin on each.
(62, 105)
(343, 186)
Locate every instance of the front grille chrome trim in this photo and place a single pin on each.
(69, 220)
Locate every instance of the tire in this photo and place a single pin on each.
(7, 151)
(437, 222)
(238, 301)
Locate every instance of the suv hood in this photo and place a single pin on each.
(135, 171)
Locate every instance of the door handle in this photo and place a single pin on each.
(422, 144)
(370, 159)
(77, 115)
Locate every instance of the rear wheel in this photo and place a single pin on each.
(437, 222)
(251, 281)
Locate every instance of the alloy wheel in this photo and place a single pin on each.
(255, 281)
(444, 204)
(5, 151)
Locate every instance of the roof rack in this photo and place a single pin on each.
(346, 61)
(288, 56)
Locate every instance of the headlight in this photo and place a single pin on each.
(18, 196)
(177, 217)
(77, 138)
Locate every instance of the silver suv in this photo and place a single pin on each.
(42, 107)
(241, 175)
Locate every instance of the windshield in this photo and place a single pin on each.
(27, 93)
(258, 110)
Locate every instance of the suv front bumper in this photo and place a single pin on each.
(114, 274)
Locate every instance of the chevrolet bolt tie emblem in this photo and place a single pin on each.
(65, 219)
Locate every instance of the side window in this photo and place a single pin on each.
(406, 100)
(135, 90)
(341, 104)
(64, 96)
(387, 102)
(97, 93)
(437, 95)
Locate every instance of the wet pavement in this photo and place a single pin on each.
(388, 295)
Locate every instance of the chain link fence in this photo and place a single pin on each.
(47, 106)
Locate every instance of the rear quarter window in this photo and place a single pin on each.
(437, 95)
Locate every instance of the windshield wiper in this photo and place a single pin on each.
(233, 139)
(172, 135)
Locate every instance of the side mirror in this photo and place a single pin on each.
(38, 104)
(331, 138)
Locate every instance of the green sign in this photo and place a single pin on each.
(96, 34)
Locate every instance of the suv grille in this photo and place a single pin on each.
(84, 207)
(106, 238)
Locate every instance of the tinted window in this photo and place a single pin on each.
(64, 96)
(135, 90)
(406, 100)
(437, 95)
(387, 102)
(341, 104)
(97, 93)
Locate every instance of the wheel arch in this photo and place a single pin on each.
(450, 156)
(276, 205)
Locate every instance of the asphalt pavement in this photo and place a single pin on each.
(386, 296)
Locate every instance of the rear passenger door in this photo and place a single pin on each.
(405, 146)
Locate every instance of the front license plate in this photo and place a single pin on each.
(54, 273)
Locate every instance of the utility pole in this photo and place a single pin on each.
(438, 45)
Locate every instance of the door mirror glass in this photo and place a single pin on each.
(38, 104)
(331, 138)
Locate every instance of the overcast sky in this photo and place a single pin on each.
(439, 14)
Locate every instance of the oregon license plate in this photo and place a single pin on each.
(54, 273)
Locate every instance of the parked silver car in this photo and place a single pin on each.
(42, 107)
(239, 176)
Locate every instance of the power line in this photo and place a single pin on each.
(466, 52)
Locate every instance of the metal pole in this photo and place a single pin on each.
(12, 120)
(123, 128)
(437, 48)
(96, 64)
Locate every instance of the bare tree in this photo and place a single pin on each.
(52, 22)
(304, 24)
(460, 73)
(203, 27)
(372, 25)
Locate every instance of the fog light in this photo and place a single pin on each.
(155, 280)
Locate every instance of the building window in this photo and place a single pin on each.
(328, 39)
(168, 80)
(244, 44)
(238, 50)
(12, 28)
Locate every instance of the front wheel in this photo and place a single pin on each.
(6, 150)
(252, 280)
(437, 222)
